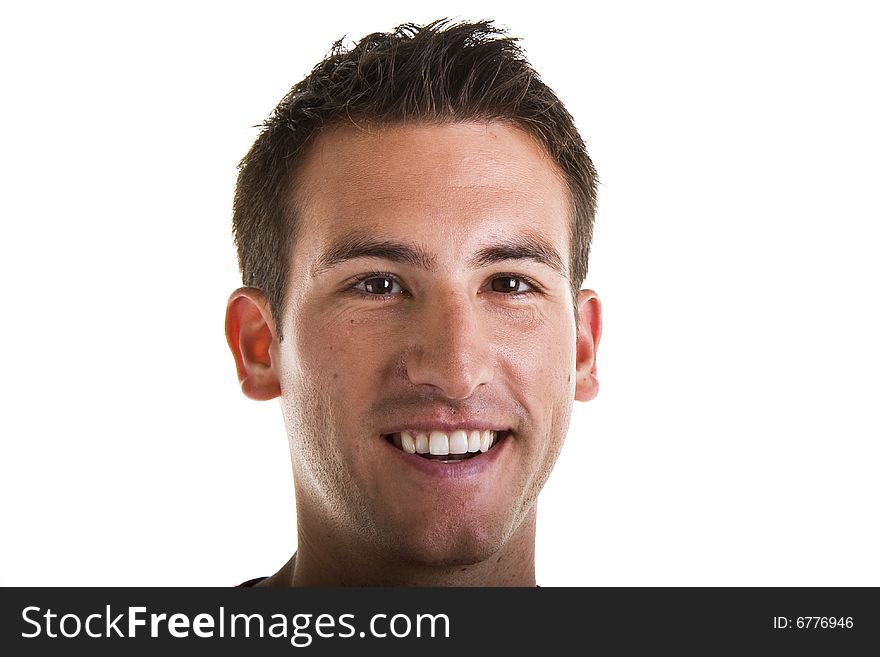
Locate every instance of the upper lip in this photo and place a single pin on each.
(444, 424)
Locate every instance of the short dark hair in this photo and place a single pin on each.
(440, 72)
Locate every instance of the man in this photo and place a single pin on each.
(413, 226)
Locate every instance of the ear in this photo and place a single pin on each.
(588, 333)
(250, 333)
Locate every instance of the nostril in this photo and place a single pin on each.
(455, 370)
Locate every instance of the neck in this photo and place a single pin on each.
(322, 562)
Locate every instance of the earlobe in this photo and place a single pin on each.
(588, 334)
(250, 334)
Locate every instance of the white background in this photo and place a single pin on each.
(735, 437)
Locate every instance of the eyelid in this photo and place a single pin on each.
(532, 283)
(352, 284)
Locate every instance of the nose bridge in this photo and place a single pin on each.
(450, 348)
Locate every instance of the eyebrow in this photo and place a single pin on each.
(364, 246)
(523, 247)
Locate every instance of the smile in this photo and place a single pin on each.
(453, 446)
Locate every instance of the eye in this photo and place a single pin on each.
(511, 285)
(378, 285)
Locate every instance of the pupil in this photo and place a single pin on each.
(378, 285)
(506, 284)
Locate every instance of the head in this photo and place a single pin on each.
(439, 73)
(413, 226)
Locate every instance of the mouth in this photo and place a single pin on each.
(446, 446)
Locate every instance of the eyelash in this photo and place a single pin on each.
(536, 289)
(373, 274)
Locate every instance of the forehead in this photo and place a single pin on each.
(451, 185)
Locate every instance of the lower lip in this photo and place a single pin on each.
(463, 469)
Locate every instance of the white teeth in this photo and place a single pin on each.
(458, 442)
(409, 443)
(474, 441)
(438, 443)
(486, 440)
(422, 443)
(441, 443)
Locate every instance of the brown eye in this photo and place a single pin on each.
(378, 285)
(509, 284)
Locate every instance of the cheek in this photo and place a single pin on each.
(346, 357)
(541, 365)
(540, 355)
(330, 368)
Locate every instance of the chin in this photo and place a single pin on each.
(444, 546)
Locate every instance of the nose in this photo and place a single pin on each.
(450, 347)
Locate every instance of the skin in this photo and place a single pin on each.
(451, 342)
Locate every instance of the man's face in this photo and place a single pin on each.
(428, 294)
